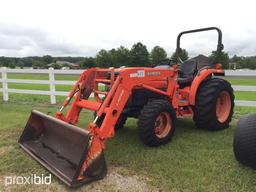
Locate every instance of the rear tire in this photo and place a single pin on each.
(157, 122)
(214, 106)
(245, 140)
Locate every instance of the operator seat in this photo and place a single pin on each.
(188, 69)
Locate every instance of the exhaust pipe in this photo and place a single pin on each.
(62, 148)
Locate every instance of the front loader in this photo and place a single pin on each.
(156, 96)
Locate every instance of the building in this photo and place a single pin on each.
(202, 60)
(65, 65)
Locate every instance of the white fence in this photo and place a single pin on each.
(52, 82)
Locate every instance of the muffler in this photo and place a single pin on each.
(62, 148)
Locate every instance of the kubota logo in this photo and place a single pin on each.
(140, 73)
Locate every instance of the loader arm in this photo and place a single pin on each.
(120, 91)
(114, 103)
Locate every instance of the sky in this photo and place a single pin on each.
(83, 27)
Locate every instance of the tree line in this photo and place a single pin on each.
(138, 55)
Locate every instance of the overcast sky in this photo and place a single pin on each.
(81, 27)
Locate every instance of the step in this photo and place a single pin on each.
(103, 80)
(91, 105)
(100, 92)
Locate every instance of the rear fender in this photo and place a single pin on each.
(200, 77)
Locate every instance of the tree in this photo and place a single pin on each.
(183, 56)
(113, 58)
(235, 62)
(120, 57)
(88, 62)
(47, 59)
(37, 64)
(157, 55)
(103, 59)
(56, 66)
(28, 62)
(220, 57)
(235, 58)
(5, 61)
(248, 62)
(124, 57)
(139, 55)
(12, 65)
(20, 63)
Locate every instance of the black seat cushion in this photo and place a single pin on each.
(187, 71)
(185, 81)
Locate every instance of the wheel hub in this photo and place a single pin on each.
(163, 125)
(223, 106)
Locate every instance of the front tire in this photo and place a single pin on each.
(119, 124)
(157, 122)
(214, 106)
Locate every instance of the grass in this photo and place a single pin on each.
(39, 87)
(43, 76)
(195, 160)
(245, 95)
(242, 81)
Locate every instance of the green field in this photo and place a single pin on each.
(195, 160)
(242, 81)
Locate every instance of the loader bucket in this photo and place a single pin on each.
(61, 148)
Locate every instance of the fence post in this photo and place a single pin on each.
(5, 84)
(52, 86)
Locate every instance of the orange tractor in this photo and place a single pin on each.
(156, 96)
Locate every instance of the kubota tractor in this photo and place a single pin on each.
(156, 96)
